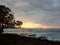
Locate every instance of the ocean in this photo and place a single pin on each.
(49, 33)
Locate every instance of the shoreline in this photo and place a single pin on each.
(14, 39)
(31, 33)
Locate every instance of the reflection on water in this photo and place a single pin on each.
(51, 34)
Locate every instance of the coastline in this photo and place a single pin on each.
(14, 39)
(35, 33)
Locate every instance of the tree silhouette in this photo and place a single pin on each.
(5, 17)
(10, 20)
(19, 23)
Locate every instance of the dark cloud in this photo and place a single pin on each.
(45, 12)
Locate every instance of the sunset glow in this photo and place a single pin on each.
(33, 25)
(45, 26)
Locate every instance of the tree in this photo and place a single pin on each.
(19, 23)
(5, 16)
(10, 19)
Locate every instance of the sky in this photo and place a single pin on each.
(35, 13)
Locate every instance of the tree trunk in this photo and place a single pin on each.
(1, 29)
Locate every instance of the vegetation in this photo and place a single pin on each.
(19, 23)
(7, 18)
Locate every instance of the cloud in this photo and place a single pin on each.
(46, 12)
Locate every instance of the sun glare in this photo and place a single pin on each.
(45, 26)
(33, 25)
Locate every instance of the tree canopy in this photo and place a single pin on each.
(7, 18)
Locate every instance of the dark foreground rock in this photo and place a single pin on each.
(13, 39)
